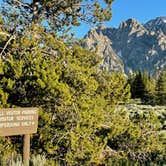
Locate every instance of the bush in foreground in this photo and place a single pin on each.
(78, 122)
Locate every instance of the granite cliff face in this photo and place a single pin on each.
(96, 39)
(132, 46)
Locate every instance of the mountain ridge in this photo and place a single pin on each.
(132, 46)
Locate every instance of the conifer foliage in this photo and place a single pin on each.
(80, 122)
(161, 89)
(150, 90)
(56, 14)
(143, 87)
(113, 87)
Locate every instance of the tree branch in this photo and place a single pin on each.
(4, 33)
(7, 43)
(23, 4)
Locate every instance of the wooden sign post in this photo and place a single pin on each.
(26, 149)
(19, 121)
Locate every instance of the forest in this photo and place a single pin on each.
(87, 117)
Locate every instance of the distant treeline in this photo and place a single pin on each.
(151, 90)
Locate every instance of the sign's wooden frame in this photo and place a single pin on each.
(19, 121)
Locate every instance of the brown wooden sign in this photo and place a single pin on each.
(18, 121)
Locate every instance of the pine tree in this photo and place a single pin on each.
(142, 86)
(149, 81)
(138, 86)
(56, 14)
(62, 85)
(161, 89)
(113, 87)
(78, 122)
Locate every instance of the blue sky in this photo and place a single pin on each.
(142, 10)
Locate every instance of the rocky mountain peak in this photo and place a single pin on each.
(130, 27)
(156, 22)
(158, 25)
(96, 39)
(132, 46)
(130, 24)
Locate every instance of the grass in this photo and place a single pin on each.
(38, 160)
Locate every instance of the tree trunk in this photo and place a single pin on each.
(35, 18)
